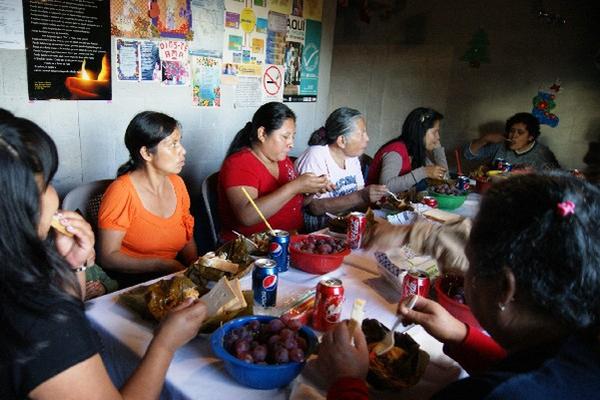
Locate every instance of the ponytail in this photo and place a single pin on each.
(126, 167)
(318, 137)
(340, 122)
(242, 139)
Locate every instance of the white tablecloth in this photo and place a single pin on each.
(195, 373)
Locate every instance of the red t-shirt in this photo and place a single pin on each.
(244, 169)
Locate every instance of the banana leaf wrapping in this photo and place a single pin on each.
(399, 368)
(154, 301)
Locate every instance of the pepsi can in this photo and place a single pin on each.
(264, 282)
(279, 249)
(498, 163)
(462, 183)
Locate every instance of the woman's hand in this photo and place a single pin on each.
(339, 357)
(180, 325)
(77, 249)
(438, 322)
(493, 138)
(374, 193)
(386, 236)
(310, 183)
(94, 289)
(435, 172)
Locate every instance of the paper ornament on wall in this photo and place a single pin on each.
(543, 102)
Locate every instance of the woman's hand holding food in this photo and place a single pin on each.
(311, 183)
(435, 319)
(339, 357)
(435, 172)
(76, 249)
(374, 193)
(180, 325)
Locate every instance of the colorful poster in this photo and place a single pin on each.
(11, 25)
(294, 46)
(207, 25)
(232, 20)
(313, 9)
(172, 18)
(258, 46)
(260, 3)
(309, 70)
(206, 81)
(281, 6)
(248, 92)
(235, 43)
(150, 61)
(275, 49)
(261, 25)
(174, 62)
(67, 57)
(131, 19)
(128, 60)
(297, 8)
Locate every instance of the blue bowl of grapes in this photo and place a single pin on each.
(263, 352)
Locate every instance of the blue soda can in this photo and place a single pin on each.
(506, 166)
(499, 163)
(264, 282)
(462, 183)
(279, 249)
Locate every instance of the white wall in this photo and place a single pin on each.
(89, 134)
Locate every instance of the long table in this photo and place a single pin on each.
(195, 373)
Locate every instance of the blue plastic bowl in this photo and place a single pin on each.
(253, 375)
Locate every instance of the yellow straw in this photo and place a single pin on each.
(260, 214)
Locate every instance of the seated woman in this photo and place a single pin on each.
(49, 350)
(334, 152)
(146, 229)
(534, 286)
(416, 154)
(257, 160)
(518, 145)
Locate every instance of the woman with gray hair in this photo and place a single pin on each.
(334, 151)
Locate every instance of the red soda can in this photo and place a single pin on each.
(415, 282)
(357, 226)
(328, 304)
(429, 201)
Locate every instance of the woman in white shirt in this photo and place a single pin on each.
(334, 151)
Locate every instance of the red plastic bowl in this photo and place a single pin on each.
(317, 264)
(460, 311)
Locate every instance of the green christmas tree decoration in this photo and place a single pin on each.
(478, 50)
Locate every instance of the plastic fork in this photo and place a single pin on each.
(393, 195)
(389, 340)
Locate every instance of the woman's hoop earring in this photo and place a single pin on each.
(502, 306)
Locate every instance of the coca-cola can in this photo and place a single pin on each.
(357, 226)
(328, 304)
(430, 201)
(415, 282)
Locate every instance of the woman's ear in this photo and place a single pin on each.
(261, 134)
(145, 153)
(508, 287)
(341, 141)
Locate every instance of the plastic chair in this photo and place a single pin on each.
(86, 200)
(210, 198)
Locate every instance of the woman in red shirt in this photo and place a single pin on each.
(258, 161)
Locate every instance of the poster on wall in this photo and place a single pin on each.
(150, 65)
(174, 62)
(245, 32)
(11, 25)
(248, 91)
(281, 6)
(309, 69)
(206, 75)
(137, 61)
(68, 58)
(150, 18)
(312, 9)
(207, 26)
(294, 46)
(272, 83)
(277, 30)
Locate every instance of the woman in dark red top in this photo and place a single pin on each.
(257, 160)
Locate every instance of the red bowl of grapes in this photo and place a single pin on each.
(263, 352)
(450, 293)
(317, 254)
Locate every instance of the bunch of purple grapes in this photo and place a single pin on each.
(275, 342)
(320, 245)
(448, 190)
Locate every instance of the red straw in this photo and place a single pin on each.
(458, 166)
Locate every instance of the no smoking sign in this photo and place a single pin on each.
(273, 80)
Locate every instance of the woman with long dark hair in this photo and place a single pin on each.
(48, 349)
(146, 229)
(257, 160)
(334, 152)
(416, 154)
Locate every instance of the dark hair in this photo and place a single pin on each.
(31, 269)
(5, 114)
(270, 116)
(531, 122)
(340, 122)
(147, 129)
(414, 128)
(554, 258)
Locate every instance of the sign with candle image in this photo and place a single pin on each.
(68, 58)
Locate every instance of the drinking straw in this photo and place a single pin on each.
(260, 214)
(458, 166)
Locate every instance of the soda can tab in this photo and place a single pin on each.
(279, 249)
(328, 304)
(357, 227)
(430, 201)
(463, 183)
(264, 282)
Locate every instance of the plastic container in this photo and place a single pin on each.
(482, 185)
(447, 201)
(317, 264)
(460, 311)
(254, 375)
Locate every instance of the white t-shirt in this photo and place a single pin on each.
(318, 160)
